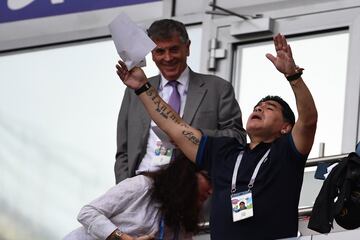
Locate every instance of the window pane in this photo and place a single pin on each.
(58, 117)
(324, 58)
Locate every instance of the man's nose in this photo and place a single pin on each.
(258, 109)
(168, 56)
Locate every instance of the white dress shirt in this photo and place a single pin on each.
(147, 164)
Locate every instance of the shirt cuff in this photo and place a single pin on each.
(201, 151)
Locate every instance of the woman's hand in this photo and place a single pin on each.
(144, 237)
(116, 235)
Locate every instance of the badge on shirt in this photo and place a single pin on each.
(242, 205)
(162, 154)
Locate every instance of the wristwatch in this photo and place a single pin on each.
(118, 235)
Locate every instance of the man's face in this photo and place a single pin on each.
(170, 56)
(266, 120)
(204, 188)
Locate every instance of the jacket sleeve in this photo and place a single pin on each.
(96, 216)
(121, 168)
(321, 219)
(229, 116)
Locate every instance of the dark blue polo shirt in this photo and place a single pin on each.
(276, 190)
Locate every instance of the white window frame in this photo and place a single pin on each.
(300, 21)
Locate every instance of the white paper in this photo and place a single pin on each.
(163, 137)
(131, 42)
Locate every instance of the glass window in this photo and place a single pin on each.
(58, 117)
(324, 57)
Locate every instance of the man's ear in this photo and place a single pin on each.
(286, 128)
(188, 47)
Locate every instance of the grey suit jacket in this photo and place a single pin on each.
(210, 106)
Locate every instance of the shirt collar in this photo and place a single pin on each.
(183, 78)
(261, 145)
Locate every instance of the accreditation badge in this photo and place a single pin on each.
(242, 205)
(162, 154)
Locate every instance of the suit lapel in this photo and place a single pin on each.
(195, 95)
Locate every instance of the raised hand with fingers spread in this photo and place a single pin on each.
(283, 61)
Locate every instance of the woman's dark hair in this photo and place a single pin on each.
(176, 189)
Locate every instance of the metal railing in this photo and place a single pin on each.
(330, 159)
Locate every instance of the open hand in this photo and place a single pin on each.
(134, 78)
(283, 61)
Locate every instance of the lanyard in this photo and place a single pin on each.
(162, 230)
(236, 169)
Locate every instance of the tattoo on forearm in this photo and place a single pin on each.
(190, 136)
(162, 109)
(168, 113)
(184, 125)
(151, 92)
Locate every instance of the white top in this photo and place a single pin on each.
(126, 206)
(147, 164)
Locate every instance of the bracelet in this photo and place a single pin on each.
(297, 75)
(118, 234)
(143, 88)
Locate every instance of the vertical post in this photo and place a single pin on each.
(168, 10)
(173, 8)
(212, 59)
(321, 149)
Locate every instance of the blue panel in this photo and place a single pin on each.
(15, 10)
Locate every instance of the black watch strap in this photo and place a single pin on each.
(295, 76)
(143, 88)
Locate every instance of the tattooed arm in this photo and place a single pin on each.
(185, 137)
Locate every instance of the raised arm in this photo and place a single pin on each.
(304, 129)
(184, 136)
